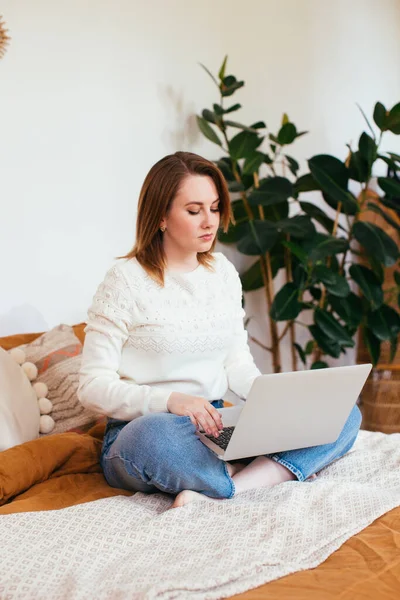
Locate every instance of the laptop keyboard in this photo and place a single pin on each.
(224, 437)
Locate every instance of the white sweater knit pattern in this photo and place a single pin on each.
(144, 341)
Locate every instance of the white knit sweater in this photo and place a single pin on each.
(144, 342)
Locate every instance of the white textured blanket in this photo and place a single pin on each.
(133, 547)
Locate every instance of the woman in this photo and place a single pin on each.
(164, 341)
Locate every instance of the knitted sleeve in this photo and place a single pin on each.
(239, 364)
(110, 317)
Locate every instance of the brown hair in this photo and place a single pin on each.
(158, 191)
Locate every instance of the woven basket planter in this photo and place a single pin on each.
(380, 400)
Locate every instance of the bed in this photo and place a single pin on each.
(62, 470)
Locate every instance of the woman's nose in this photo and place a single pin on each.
(208, 219)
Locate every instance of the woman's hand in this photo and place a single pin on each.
(198, 409)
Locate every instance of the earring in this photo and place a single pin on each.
(163, 228)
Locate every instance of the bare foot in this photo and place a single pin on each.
(188, 497)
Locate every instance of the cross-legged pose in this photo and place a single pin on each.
(165, 339)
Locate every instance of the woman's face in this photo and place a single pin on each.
(194, 212)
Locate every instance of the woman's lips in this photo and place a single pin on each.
(207, 237)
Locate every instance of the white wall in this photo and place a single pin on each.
(92, 93)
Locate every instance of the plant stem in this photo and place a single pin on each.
(266, 272)
(290, 325)
(253, 339)
(284, 332)
(265, 262)
(301, 323)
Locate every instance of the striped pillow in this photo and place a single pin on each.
(57, 356)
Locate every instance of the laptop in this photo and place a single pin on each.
(285, 411)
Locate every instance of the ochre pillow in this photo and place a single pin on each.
(57, 356)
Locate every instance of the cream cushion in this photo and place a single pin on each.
(19, 410)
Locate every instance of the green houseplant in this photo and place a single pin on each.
(333, 265)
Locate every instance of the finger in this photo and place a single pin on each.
(194, 422)
(206, 423)
(213, 427)
(215, 415)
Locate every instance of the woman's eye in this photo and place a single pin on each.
(196, 213)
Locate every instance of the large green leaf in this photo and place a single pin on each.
(208, 131)
(306, 183)
(316, 213)
(252, 278)
(299, 226)
(392, 203)
(376, 242)
(380, 116)
(271, 190)
(320, 246)
(368, 283)
(332, 328)
(332, 175)
(225, 165)
(327, 345)
(208, 115)
(276, 212)
(334, 283)
(390, 186)
(393, 119)
(378, 210)
(297, 250)
(253, 163)
(260, 236)
(373, 345)
(299, 276)
(384, 322)
(367, 149)
(277, 258)
(285, 306)
(287, 134)
(239, 210)
(349, 309)
(377, 268)
(331, 166)
(235, 186)
(358, 167)
(234, 234)
(392, 164)
(244, 144)
(350, 209)
(293, 164)
(315, 292)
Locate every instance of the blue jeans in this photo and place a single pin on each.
(161, 452)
